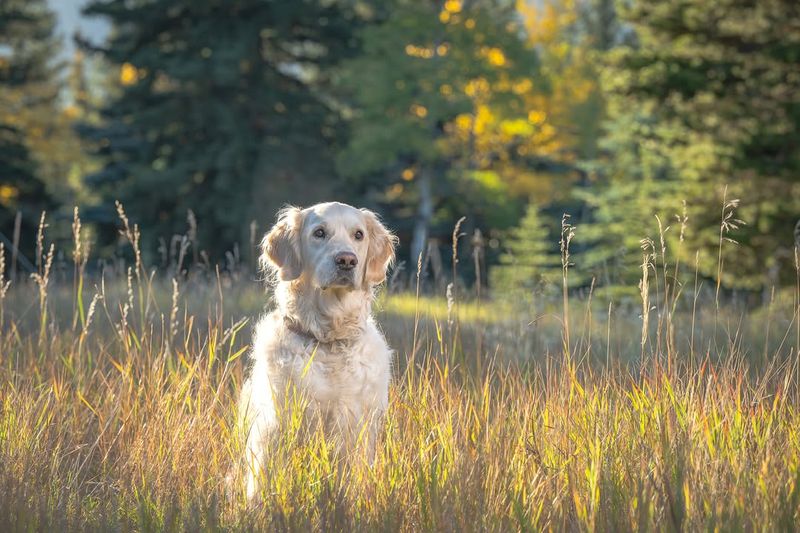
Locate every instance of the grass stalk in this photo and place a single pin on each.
(567, 234)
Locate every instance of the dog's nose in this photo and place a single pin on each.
(346, 260)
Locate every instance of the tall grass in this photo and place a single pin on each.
(117, 410)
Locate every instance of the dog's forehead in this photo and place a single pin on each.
(334, 213)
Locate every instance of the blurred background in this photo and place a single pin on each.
(674, 120)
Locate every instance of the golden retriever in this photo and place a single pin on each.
(321, 339)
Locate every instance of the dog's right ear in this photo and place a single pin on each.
(281, 247)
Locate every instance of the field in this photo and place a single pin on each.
(679, 412)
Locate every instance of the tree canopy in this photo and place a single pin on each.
(637, 118)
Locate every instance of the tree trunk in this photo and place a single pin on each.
(424, 216)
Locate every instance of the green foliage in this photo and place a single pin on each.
(20, 188)
(26, 29)
(421, 67)
(634, 187)
(27, 93)
(222, 109)
(613, 112)
(531, 259)
(432, 82)
(718, 86)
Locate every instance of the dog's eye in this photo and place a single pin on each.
(319, 233)
(359, 235)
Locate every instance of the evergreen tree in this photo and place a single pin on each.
(716, 88)
(222, 109)
(27, 104)
(20, 187)
(632, 185)
(531, 259)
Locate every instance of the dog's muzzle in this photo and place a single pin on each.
(345, 269)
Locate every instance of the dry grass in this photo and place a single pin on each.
(117, 412)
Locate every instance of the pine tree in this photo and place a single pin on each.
(632, 186)
(20, 187)
(27, 105)
(531, 259)
(716, 90)
(222, 109)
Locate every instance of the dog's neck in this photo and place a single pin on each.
(324, 315)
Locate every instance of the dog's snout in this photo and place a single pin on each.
(346, 260)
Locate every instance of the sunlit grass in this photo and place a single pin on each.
(117, 412)
(437, 308)
(132, 435)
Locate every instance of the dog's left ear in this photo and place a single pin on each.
(380, 253)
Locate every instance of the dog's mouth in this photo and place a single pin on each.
(341, 280)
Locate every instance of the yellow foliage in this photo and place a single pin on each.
(545, 22)
(128, 74)
(483, 118)
(516, 127)
(395, 192)
(464, 122)
(419, 110)
(453, 6)
(419, 51)
(536, 116)
(538, 122)
(494, 56)
(8, 193)
(476, 87)
(569, 72)
(522, 87)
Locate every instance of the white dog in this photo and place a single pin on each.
(321, 339)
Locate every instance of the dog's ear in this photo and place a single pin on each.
(380, 253)
(281, 246)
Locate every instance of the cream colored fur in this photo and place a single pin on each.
(345, 385)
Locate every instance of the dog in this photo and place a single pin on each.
(320, 340)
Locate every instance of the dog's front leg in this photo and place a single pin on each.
(259, 422)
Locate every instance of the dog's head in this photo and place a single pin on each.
(334, 245)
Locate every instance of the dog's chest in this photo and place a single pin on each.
(339, 371)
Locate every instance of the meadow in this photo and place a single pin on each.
(677, 410)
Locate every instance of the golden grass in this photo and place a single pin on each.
(117, 411)
(131, 435)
